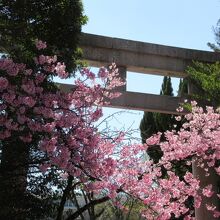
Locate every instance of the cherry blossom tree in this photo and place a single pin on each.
(42, 125)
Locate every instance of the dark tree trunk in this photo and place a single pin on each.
(13, 180)
(65, 195)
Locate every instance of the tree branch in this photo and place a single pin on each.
(64, 197)
(85, 207)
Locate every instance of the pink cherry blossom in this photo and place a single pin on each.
(40, 44)
(207, 191)
(3, 83)
(60, 70)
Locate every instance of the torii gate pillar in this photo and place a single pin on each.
(202, 213)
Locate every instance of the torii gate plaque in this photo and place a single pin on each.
(148, 58)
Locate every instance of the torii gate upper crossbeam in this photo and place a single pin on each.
(142, 57)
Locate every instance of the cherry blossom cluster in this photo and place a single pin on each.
(130, 175)
(163, 198)
(198, 142)
(32, 108)
(198, 138)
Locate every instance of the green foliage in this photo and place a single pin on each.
(206, 79)
(57, 22)
(132, 210)
(183, 87)
(166, 88)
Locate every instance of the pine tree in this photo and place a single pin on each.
(183, 87)
(166, 87)
(206, 80)
(155, 122)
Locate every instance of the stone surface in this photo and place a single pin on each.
(141, 57)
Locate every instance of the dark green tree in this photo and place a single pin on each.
(24, 192)
(166, 87)
(153, 122)
(57, 22)
(183, 87)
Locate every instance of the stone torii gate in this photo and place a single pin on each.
(148, 58)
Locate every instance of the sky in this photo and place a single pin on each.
(186, 23)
